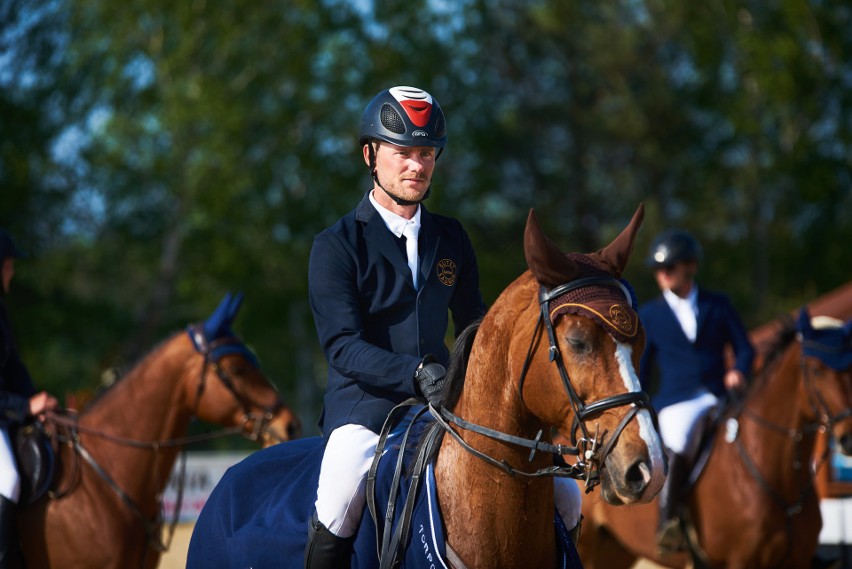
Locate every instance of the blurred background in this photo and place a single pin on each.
(155, 155)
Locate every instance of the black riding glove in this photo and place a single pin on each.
(430, 379)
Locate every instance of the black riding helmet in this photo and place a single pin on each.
(673, 246)
(404, 116)
(7, 247)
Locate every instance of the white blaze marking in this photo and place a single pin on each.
(623, 353)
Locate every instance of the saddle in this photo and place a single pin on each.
(36, 460)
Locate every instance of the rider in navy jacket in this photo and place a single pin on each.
(19, 402)
(381, 282)
(688, 330)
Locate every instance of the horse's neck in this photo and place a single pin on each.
(480, 502)
(148, 406)
(779, 408)
(778, 398)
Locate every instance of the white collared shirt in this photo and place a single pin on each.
(686, 311)
(398, 225)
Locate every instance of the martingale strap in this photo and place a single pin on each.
(389, 543)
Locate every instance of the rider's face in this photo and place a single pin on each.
(677, 278)
(404, 171)
(8, 272)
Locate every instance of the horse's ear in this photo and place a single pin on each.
(616, 254)
(234, 306)
(549, 265)
(219, 319)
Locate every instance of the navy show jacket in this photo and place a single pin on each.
(373, 326)
(16, 386)
(685, 369)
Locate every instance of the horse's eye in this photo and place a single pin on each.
(236, 369)
(578, 344)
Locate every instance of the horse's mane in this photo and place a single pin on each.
(115, 375)
(458, 365)
(777, 347)
(454, 381)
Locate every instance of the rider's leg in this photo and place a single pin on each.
(677, 424)
(10, 491)
(669, 535)
(340, 496)
(569, 504)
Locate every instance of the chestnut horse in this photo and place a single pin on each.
(558, 349)
(754, 504)
(115, 458)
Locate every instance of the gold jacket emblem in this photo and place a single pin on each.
(447, 271)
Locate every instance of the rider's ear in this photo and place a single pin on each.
(616, 254)
(549, 265)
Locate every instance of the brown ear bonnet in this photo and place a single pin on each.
(613, 306)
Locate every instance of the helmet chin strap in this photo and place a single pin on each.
(397, 199)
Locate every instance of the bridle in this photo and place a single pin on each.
(212, 352)
(587, 448)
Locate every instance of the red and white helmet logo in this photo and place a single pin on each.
(416, 102)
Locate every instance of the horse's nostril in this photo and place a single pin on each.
(638, 476)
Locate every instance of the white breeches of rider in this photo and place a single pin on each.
(677, 421)
(341, 494)
(10, 480)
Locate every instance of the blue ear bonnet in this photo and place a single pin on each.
(831, 346)
(215, 338)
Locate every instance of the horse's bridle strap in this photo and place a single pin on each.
(639, 398)
(534, 444)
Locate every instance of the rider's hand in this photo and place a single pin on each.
(430, 379)
(42, 402)
(734, 380)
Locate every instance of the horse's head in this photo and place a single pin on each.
(232, 389)
(587, 386)
(827, 374)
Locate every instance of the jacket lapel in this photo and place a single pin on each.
(703, 310)
(377, 235)
(428, 241)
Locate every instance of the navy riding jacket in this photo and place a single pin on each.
(373, 325)
(685, 369)
(16, 386)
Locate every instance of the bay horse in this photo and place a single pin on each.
(754, 504)
(558, 349)
(115, 458)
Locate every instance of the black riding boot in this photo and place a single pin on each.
(325, 550)
(669, 533)
(10, 556)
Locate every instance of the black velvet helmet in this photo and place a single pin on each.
(405, 116)
(7, 246)
(673, 246)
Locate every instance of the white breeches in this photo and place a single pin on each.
(677, 422)
(341, 494)
(10, 480)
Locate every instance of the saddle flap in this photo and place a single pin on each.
(36, 461)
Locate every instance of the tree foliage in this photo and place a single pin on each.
(155, 155)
